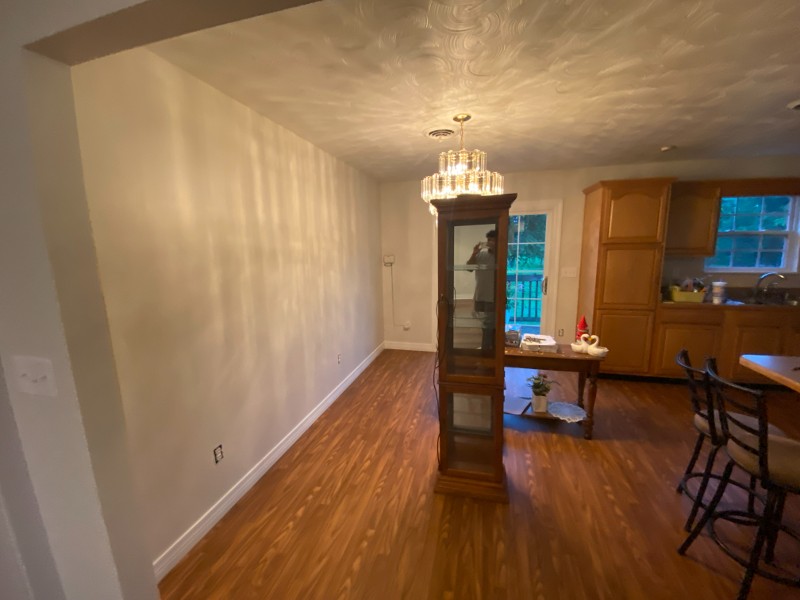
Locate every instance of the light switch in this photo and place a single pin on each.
(569, 272)
(34, 375)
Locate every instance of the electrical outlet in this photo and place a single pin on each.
(218, 454)
(338, 359)
(560, 333)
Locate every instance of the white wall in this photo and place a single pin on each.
(408, 232)
(64, 471)
(401, 204)
(236, 260)
(51, 491)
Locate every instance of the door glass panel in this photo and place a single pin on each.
(525, 272)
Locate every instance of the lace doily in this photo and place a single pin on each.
(571, 413)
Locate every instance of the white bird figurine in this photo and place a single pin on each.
(595, 350)
(582, 344)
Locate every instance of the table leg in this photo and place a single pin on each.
(588, 424)
(581, 386)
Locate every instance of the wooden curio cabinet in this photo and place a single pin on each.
(471, 314)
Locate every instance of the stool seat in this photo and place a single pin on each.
(701, 423)
(783, 457)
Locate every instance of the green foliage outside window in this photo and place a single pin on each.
(753, 232)
(525, 268)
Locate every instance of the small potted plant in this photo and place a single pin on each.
(540, 387)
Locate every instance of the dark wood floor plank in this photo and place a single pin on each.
(349, 511)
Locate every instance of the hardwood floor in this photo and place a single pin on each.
(349, 512)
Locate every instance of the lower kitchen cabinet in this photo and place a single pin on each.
(628, 335)
(700, 340)
(759, 331)
(725, 332)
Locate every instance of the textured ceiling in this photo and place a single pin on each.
(550, 83)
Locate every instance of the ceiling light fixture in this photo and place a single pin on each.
(461, 172)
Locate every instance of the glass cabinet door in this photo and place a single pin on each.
(470, 444)
(471, 273)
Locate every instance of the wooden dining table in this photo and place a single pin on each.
(780, 369)
(563, 359)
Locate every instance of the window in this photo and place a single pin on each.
(756, 233)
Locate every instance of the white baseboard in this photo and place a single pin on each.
(418, 346)
(172, 555)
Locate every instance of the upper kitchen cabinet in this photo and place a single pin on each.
(632, 210)
(693, 218)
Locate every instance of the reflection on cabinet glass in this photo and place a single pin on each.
(470, 443)
(472, 267)
(470, 413)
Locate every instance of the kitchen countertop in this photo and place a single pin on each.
(735, 306)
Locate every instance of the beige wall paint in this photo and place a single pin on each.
(237, 260)
(51, 492)
(408, 232)
(402, 204)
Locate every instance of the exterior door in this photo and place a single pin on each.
(531, 281)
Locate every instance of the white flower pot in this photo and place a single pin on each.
(539, 404)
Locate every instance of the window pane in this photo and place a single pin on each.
(747, 223)
(746, 242)
(531, 257)
(532, 228)
(748, 204)
(776, 204)
(771, 259)
(774, 222)
(773, 242)
(726, 223)
(513, 226)
(744, 259)
(728, 206)
(724, 243)
(720, 259)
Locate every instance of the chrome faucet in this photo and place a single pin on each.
(757, 287)
(764, 276)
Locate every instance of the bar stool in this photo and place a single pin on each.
(774, 460)
(709, 429)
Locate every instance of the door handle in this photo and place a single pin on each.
(544, 286)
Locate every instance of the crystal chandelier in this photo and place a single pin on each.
(461, 172)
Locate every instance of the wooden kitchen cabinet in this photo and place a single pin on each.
(634, 210)
(628, 276)
(628, 336)
(699, 330)
(622, 253)
(693, 218)
(754, 330)
(725, 332)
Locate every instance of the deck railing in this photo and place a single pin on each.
(525, 305)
